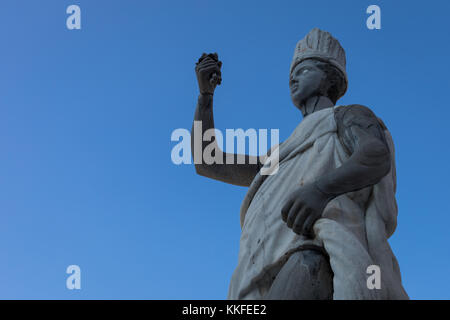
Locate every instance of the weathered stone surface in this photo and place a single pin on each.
(311, 230)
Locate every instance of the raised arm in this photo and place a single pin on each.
(362, 134)
(241, 174)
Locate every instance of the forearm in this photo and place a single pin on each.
(204, 118)
(366, 167)
(224, 167)
(204, 110)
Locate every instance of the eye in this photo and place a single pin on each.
(302, 71)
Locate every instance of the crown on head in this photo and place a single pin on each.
(321, 45)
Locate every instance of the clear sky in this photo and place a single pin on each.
(86, 116)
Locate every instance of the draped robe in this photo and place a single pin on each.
(353, 230)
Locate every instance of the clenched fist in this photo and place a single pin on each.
(208, 72)
(303, 207)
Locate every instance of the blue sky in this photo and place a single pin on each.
(86, 117)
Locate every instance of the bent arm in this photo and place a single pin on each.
(221, 169)
(363, 136)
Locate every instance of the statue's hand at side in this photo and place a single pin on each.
(208, 72)
(303, 207)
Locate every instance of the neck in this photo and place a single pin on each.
(314, 104)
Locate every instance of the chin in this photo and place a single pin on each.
(296, 99)
(296, 103)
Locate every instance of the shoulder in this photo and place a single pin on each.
(357, 114)
(355, 120)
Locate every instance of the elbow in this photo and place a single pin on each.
(385, 168)
(376, 155)
(199, 169)
(203, 170)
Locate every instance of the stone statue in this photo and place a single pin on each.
(312, 230)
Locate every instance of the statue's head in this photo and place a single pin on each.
(318, 68)
(312, 78)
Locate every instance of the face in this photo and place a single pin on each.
(305, 81)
